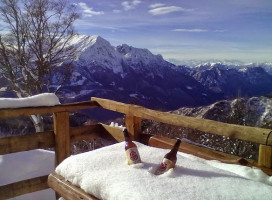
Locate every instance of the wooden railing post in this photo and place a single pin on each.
(134, 126)
(62, 136)
(265, 156)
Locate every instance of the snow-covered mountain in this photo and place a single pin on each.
(254, 111)
(130, 75)
(133, 75)
(231, 81)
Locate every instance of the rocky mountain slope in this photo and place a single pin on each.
(232, 82)
(254, 111)
(129, 74)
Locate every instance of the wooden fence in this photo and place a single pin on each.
(61, 137)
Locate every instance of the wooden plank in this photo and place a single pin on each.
(23, 187)
(265, 156)
(208, 154)
(62, 136)
(13, 144)
(134, 126)
(88, 132)
(144, 138)
(116, 133)
(66, 189)
(20, 143)
(167, 143)
(251, 134)
(16, 112)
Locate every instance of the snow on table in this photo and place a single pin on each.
(105, 174)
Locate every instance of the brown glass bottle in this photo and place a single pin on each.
(169, 160)
(132, 153)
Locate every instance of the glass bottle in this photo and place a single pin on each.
(169, 160)
(132, 153)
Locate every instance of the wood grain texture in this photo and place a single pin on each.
(23, 187)
(113, 132)
(62, 136)
(265, 156)
(66, 189)
(251, 134)
(134, 126)
(20, 143)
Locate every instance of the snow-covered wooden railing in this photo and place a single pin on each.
(61, 137)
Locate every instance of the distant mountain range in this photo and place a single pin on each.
(132, 75)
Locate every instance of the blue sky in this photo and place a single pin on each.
(183, 29)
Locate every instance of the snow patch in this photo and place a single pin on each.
(3, 89)
(45, 99)
(133, 95)
(25, 165)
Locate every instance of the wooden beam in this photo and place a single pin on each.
(116, 133)
(62, 136)
(20, 143)
(16, 112)
(14, 144)
(265, 156)
(167, 143)
(23, 187)
(205, 153)
(66, 189)
(134, 126)
(251, 134)
(88, 132)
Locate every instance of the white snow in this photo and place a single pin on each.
(116, 125)
(3, 89)
(105, 174)
(96, 50)
(25, 165)
(45, 99)
(133, 95)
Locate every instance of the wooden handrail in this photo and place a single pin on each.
(13, 144)
(26, 111)
(251, 134)
(23, 187)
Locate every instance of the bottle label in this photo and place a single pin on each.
(133, 156)
(165, 165)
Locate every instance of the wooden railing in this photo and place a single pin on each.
(61, 137)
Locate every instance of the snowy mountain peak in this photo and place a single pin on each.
(95, 51)
(134, 55)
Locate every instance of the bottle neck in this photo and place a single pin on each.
(176, 146)
(126, 135)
